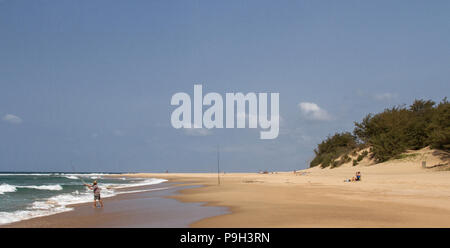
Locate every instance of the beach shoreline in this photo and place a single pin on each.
(397, 193)
(150, 207)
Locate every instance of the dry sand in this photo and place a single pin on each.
(398, 193)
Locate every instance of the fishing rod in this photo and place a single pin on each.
(81, 178)
(73, 169)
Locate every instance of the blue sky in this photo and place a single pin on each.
(91, 81)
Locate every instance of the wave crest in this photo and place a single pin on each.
(6, 188)
(43, 187)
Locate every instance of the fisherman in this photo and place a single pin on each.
(96, 190)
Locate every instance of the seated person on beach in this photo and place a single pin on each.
(96, 190)
(357, 177)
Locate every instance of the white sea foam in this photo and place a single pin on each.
(56, 174)
(60, 203)
(72, 177)
(9, 217)
(145, 182)
(25, 174)
(42, 187)
(5, 188)
(141, 191)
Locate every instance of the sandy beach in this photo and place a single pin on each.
(397, 193)
(224, 114)
(151, 208)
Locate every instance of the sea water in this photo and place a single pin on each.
(29, 195)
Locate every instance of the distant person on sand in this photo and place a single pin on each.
(96, 190)
(357, 177)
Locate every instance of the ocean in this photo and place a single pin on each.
(29, 195)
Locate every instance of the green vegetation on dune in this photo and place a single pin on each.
(332, 148)
(390, 133)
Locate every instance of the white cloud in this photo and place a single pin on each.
(312, 111)
(13, 119)
(194, 131)
(385, 96)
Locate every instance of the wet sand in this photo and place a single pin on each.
(144, 209)
(397, 193)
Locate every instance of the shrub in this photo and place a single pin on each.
(439, 128)
(362, 156)
(333, 147)
(343, 160)
(395, 130)
(390, 133)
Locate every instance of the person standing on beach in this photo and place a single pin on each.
(96, 190)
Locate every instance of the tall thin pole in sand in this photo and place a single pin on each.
(218, 168)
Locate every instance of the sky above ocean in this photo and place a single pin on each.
(89, 83)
